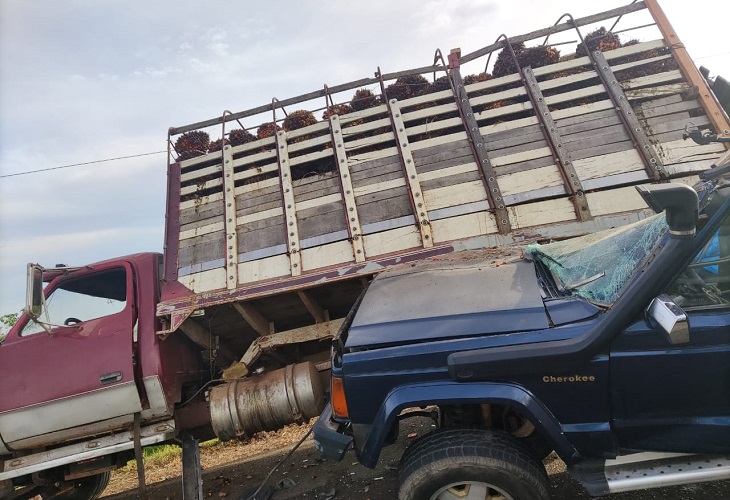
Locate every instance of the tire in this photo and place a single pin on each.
(87, 488)
(470, 463)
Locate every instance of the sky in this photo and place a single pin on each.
(83, 80)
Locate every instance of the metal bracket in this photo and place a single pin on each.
(562, 157)
(290, 210)
(414, 187)
(353, 221)
(652, 163)
(229, 198)
(479, 150)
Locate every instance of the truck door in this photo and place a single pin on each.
(79, 378)
(677, 397)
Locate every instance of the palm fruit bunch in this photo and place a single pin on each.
(217, 145)
(504, 65)
(192, 144)
(481, 77)
(363, 99)
(406, 86)
(599, 39)
(336, 109)
(540, 55)
(240, 136)
(439, 84)
(298, 119)
(268, 129)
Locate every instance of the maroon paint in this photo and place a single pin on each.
(172, 222)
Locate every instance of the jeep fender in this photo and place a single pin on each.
(370, 438)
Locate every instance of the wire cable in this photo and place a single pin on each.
(81, 164)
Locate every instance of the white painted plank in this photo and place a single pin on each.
(370, 141)
(365, 127)
(459, 136)
(433, 126)
(261, 269)
(365, 113)
(199, 231)
(200, 202)
(463, 226)
(508, 125)
(391, 241)
(613, 201)
(362, 157)
(203, 172)
(200, 186)
(634, 49)
(565, 80)
(457, 194)
(530, 180)
(309, 129)
(652, 80)
(610, 164)
(274, 212)
(498, 96)
(250, 188)
(583, 109)
(683, 151)
(327, 255)
(213, 279)
(421, 99)
(541, 212)
(315, 202)
(520, 157)
(447, 172)
(429, 112)
(310, 143)
(310, 157)
(256, 157)
(380, 186)
(201, 159)
(575, 94)
(253, 172)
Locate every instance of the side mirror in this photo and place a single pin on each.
(665, 313)
(34, 292)
(680, 202)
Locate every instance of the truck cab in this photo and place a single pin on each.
(611, 349)
(89, 363)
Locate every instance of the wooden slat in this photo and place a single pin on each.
(261, 269)
(260, 234)
(615, 201)
(463, 226)
(457, 194)
(392, 241)
(609, 164)
(327, 255)
(542, 212)
(683, 151)
(205, 281)
(530, 180)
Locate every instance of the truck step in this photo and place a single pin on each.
(652, 470)
(96, 447)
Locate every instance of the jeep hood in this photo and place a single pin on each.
(441, 300)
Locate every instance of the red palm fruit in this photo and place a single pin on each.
(363, 99)
(267, 129)
(599, 39)
(240, 136)
(298, 119)
(192, 144)
(217, 145)
(337, 109)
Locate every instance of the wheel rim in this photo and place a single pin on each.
(471, 490)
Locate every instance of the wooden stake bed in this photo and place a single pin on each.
(322, 207)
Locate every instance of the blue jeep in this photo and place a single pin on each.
(612, 349)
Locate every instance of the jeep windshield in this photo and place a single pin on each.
(596, 266)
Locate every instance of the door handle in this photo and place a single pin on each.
(109, 378)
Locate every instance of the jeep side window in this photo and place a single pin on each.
(706, 281)
(84, 298)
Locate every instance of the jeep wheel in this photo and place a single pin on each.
(470, 464)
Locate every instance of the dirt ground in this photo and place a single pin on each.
(234, 471)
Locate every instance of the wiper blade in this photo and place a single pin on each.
(585, 281)
(539, 253)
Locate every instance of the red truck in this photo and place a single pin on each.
(270, 239)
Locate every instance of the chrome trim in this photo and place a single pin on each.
(97, 447)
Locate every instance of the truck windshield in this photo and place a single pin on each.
(596, 266)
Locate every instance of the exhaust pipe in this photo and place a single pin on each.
(267, 402)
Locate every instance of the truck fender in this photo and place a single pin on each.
(373, 436)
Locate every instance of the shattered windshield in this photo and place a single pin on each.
(596, 266)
